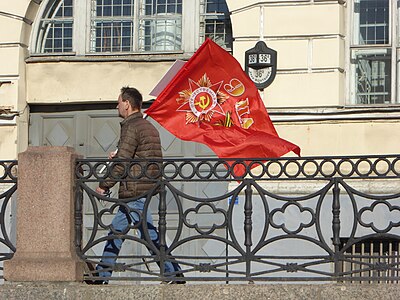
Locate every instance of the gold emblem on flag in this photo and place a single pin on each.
(235, 87)
(243, 108)
(202, 100)
(227, 122)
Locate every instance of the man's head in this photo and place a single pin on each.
(129, 101)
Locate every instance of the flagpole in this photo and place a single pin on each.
(262, 95)
(261, 23)
(261, 33)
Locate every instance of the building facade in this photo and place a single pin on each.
(335, 92)
(62, 63)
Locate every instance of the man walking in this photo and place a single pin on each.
(138, 139)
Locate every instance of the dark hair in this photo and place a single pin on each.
(133, 96)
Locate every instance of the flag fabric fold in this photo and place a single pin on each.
(211, 100)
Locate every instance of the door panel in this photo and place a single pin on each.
(92, 134)
(102, 133)
(54, 130)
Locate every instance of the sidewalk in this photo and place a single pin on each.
(81, 291)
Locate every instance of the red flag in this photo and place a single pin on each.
(211, 100)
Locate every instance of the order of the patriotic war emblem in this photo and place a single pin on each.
(204, 101)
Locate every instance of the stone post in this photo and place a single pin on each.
(45, 218)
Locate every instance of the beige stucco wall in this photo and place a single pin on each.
(11, 29)
(342, 138)
(15, 28)
(68, 82)
(17, 7)
(310, 18)
(311, 58)
(305, 89)
(8, 142)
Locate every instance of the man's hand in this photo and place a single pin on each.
(100, 191)
(111, 155)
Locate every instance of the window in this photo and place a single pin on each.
(373, 53)
(129, 26)
(111, 27)
(216, 23)
(55, 28)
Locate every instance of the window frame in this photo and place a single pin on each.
(214, 16)
(392, 46)
(81, 39)
(36, 35)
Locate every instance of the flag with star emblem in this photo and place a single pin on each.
(211, 100)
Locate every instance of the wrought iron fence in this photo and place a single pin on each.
(287, 219)
(8, 187)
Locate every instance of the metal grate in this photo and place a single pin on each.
(372, 258)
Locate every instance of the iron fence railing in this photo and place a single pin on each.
(8, 187)
(287, 219)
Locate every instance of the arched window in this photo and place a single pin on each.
(130, 26)
(55, 28)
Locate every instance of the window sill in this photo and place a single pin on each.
(334, 110)
(335, 113)
(105, 57)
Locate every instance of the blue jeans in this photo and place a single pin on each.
(120, 223)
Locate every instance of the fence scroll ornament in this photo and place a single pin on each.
(8, 187)
(296, 219)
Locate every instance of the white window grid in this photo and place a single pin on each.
(373, 22)
(112, 27)
(160, 25)
(129, 26)
(112, 36)
(155, 7)
(56, 27)
(113, 8)
(58, 37)
(373, 52)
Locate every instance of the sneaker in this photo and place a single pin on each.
(180, 275)
(96, 282)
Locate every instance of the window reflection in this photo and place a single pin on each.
(373, 77)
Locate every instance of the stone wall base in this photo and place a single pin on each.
(45, 218)
(38, 291)
(61, 269)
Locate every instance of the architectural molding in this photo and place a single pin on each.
(16, 17)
